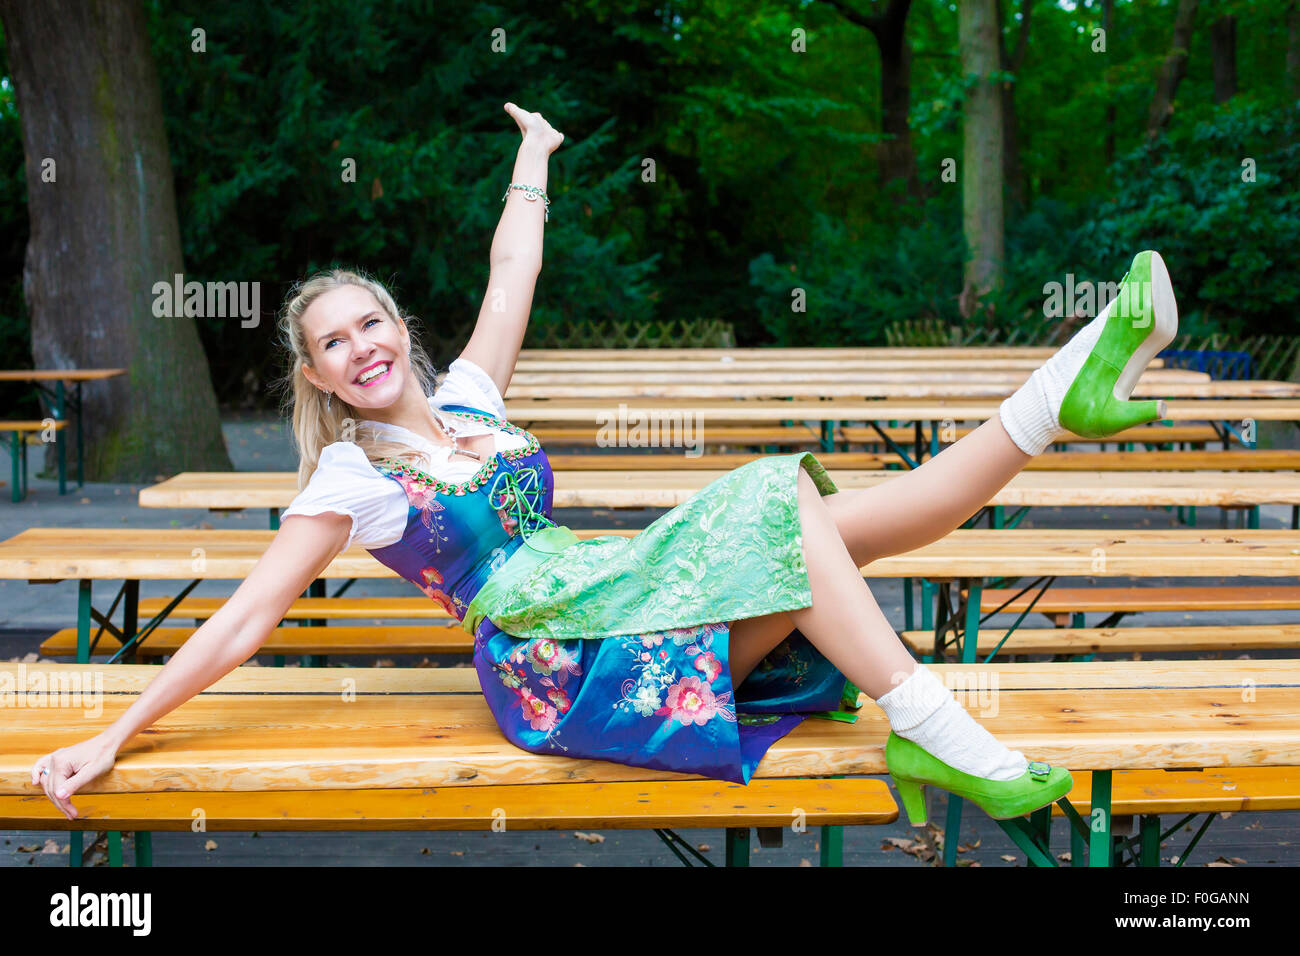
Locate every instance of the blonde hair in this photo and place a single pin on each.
(316, 424)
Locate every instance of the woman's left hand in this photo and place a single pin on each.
(536, 129)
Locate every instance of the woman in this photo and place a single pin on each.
(691, 647)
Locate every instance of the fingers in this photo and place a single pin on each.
(54, 783)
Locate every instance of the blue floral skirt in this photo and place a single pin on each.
(663, 698)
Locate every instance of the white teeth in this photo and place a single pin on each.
(373, 373)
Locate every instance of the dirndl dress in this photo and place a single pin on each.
(616, 648)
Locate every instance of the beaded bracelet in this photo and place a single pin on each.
(530, 193)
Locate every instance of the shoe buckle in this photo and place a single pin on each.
(1039, 769)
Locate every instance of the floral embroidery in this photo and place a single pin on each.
(548, 657)
(658, 690)
(691, 702)
(420, 495)
(454, 605)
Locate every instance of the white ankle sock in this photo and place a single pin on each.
(1031, 413)
(925, 711)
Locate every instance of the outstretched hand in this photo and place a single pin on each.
(535, 129)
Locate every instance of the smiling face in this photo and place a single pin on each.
(356, 351)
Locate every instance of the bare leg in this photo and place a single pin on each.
(926, 503)
(844, 622)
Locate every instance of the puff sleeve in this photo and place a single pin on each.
(346, 483)
(467, 384)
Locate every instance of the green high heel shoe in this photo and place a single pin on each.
(1142, 319)
(911, 766)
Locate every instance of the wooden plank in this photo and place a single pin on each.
(1211, 598)
(1123, 640)
(169, 553)
(1135, 792)
(615, 806)
(334, 639)
(634, 387)
(59, 374)
(669, 410)
(668, 487)
(350, 728)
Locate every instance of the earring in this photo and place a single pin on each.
(328, 400)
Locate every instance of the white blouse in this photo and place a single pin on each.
(345, 482)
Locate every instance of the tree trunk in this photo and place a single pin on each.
(981, 152)
(1012, 170)
(1223, 55)
(1173, 70)
(895, 157)
(1293, 49)
(1107, 19)
(103, 233)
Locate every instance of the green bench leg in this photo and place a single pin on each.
(143, 848)
(1099, 821)
(60, 412)
(737, 851)
(16, 451)
(1149, 835)
(832, 852)
(114, 847)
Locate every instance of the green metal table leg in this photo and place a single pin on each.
(60, 412)
(997, 516)
(907, 604)
(832, 852)
(1254, 516)
(114, 848)
(737, 852)
(17, 446)
(81, 444)
(1099, 842)
(144, 849)
(1149, 834)
(969, 648)
(927, 613)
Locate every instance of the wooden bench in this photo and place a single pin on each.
(1152, 434)
(1068, 605)
(18, 432)
(661, 806)
(428, 730)
(713, 436)
(1147, 794)
(1083, 642)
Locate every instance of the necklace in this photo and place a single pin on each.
(451, 433)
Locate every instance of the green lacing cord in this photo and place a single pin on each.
(515, 497)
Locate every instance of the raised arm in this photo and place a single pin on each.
(302, 548)
(516, 257)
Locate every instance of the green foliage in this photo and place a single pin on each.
(1229, 242)
(710, 169)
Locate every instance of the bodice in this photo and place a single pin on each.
(458, 533)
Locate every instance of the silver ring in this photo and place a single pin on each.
(44, 771)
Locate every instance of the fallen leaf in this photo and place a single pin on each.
(1065, 857)
(1008, 857)
(51, 846)
(210, 845)
(805, 863)
(589, 837)
(703, 847)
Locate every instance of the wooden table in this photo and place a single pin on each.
(658, 488)
(276, 729)
(686, 420)
(920, 387)
(964, 557)
(59, 377)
